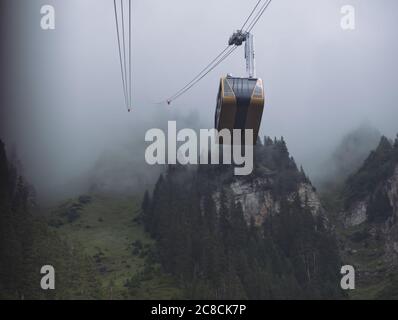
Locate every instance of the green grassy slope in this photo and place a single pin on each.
(108, 231)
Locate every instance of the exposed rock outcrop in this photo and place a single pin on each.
(258, 202)
(370, 219)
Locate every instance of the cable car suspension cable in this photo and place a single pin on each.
(232, 49)
(251, 14)
(120, 53)
(125, 52)
(199, 74)
(223, 55)
(259, 15)
(130, 53)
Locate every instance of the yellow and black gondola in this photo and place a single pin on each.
(240, 104)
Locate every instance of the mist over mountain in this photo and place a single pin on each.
(117, 165)
(62, 104)
(347, 157)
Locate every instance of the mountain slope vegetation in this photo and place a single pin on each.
(27, 244)
(365, 212)
(108, 230)
(217, 249)
(204, 233)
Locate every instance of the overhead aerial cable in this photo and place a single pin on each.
(123, 22)
(251, 14)
(201, 72)
(259, 15)
(236, 40)
(130, 54)
(213, 64)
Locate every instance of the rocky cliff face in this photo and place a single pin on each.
(369, 216)
(358, 215)
(392, 191)
(391, 227)
(258, 201)
(371, 194)
(358, 212)
(275, 178)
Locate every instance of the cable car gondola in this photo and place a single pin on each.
(240, 101)
(240, 104)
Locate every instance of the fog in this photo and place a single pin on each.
(62, 99)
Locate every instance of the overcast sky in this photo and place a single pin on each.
(63, 102)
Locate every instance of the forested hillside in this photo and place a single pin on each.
(27, 244)
(214, 238)
(204, 233)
